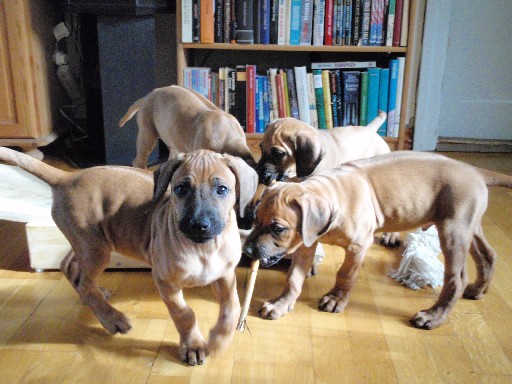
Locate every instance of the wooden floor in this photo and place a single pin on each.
(48, 336)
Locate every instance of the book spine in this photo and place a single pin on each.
(338, 23)
(390, 23)
(240, 96)
(334, 99)
(232, 22)
(348, 22)
(399, 90)
(351, 89)
(393, 83)
(365, 24)
(327, 99)
(356, 22)
(250, 98)
(245, 21)
(265, 22)
(186, 21)
(260, 105)
(265, 83)
(207, 21)
(295, 18)
(344, 65)
(313, 114)
(306, 23)
(404, 30)
(273, 91)
(205, 82)
(373, 93)
(398, 22)
(301, 85)
(383, 97)
(329, 20)
(363, 100)
(292, 94)
(226, 18)
(231, 91)
(222, 88)
(187, 77)
(274, 21)
(258, 20)
(196, 25)
(319, 22)
(319, 96)
(339, 96)
(281, 22)
(280, 96)
(219, 21)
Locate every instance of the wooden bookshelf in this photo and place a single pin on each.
(187, 52)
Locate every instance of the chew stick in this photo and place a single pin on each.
(248, 295)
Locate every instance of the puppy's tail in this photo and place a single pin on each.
(134, 108)
(495, 178)
(50, 175)
(378, 121)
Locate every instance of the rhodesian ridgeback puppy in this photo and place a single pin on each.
(182, 224)
(393, 192)
(185, 121)
(292, 149)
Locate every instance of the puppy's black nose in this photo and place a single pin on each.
(200, 225)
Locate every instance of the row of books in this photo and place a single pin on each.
(328, 96)
(296, 22)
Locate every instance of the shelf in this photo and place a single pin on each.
(294, 48)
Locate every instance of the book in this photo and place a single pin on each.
(265, 22)
(390, 23)
(306, 22)
(376, 19)
(280, 95)
(272, 72)
(344, 65)
(383, 98)
(356, 22)
(231, 90)
(319, 97)
(397, 27)
(222, 88)
(363, 99)
(327, 98)
(284, 79)
(213, 95)
(335, 99)
(337, 33)
(244, 21)
(351, 89)
(393, 83)
(287, 20)
(186, 21)
(274, 20)
(405, 24)
(187, 77)
(399, 89)
(373, 93)
(265, 84)
(250, 98)
(198, 79)
(260, 103)
(295, 19)
(196, 25)
(318, 22)
(240, 96)
(313, 114)
(258, 20)
(281, 22)
(365, 22)
(292, 94)
(329, 20)
(347, 22)
(301, 85)
(232, 22)
(226, 18)
(207, 21)
(218, 21)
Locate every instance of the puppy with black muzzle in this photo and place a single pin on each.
(182, 224)
(393, 192)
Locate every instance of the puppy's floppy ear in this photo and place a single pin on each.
(246, 181)
(308, 153)
(317, 217)
(162, 176)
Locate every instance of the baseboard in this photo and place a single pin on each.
(455, 144)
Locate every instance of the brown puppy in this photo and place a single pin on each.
(392, 192)
(185, 121)
(183, 225)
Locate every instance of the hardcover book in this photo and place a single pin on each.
(329, 21)
(365, 23)
(351, 90)
(318, 22)
(186, 21)
(196, 25)
(399, 89)
(327, 98)
(393, 83)
(240, 96)
(244, 21)
(344, 65)
(363, 99)
(397, 27)
(313, 114)
(373, 93)
(306, 22)
(301, 85)
(250, 97)
(319, 96)
(383, 98)
(390, 23)
(295, 26)
(292, 94)
(207, 21)
(335, 99)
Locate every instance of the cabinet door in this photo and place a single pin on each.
(20, 116)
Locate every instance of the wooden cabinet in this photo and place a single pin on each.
(28, 86)
(221, 54)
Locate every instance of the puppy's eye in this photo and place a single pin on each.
(277, 154)
(277, 229)
(222, 190)
(181, 190)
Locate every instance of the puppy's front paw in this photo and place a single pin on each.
(194, 352)
(390, 239)
(429, 319)
(273, 310)
(333, 303)
(116, 322)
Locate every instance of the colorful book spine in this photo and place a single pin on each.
(338, 23)
(301, 85)
(344, 65)
(258, 19)
(329, 20)
(265, 86)
(365, 22)
(272, 72)
(260, 103)
(186, 21)
(327, 99)
(336, 118)
(226, 37)
(222, 88)
(356, 22)
(219, 21)
(281, 23)
(280, 95)
(351, 90)
(292, 94)
(390, 23)
(319, 96)
(399, 91)
(347, 22)
(244, 21)
(274, 20)
(393, 83)
(313, 114)
(240, 96)
(265, 22)
(295, 27)
(207, 21)
(363, 99)
(231, 91)
(318, 22)
(376, 20)
(397, 27)
(383, 97)
(306, 22)
(250, 98)
(196, 25)
(373, 93)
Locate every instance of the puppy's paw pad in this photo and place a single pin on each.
(427, 319)
(331, 303)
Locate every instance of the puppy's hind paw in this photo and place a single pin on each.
(332, 303)
(117, 322)
(430, 319)
(391, 239)
(193, 354)
(274, 310)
